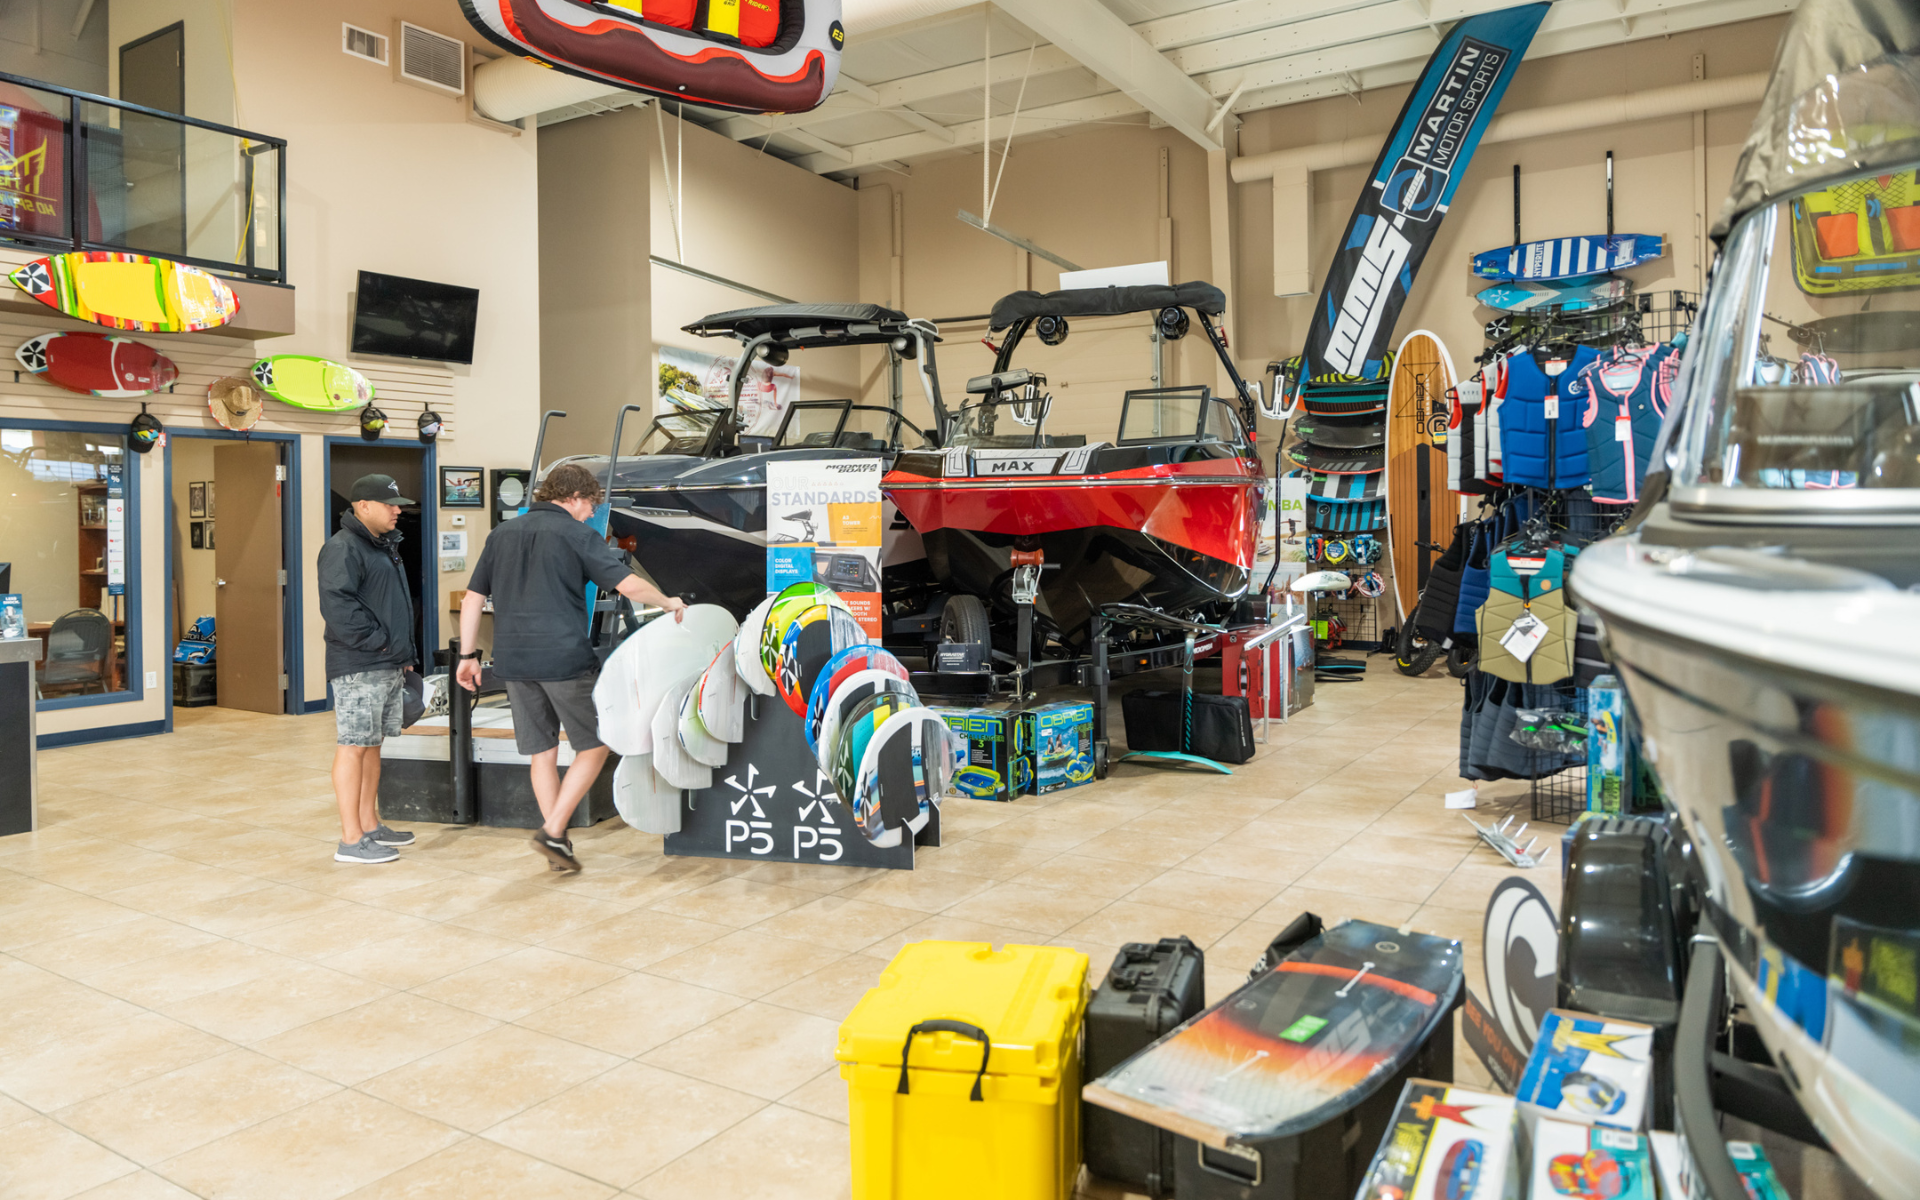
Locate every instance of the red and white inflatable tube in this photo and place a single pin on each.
(794, 71)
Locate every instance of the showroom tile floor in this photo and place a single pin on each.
(199, 1002)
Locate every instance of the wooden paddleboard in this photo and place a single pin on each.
(1421, 512)
(98, 364)
(1306, 1040)
(128, 291)
(315, 384)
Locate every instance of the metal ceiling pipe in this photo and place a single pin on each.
(1697, 96)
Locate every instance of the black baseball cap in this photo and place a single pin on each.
(378, 487)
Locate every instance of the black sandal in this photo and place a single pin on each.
(558, 851)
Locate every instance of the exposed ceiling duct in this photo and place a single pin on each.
(509, 88)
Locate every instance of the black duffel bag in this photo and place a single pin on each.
(1222, 725)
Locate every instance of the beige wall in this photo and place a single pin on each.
(39, 535)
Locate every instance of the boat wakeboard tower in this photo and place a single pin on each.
(688, 500)
(773, 56)
(1761, 607)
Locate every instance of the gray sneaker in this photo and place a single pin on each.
(390, 837)
(366, 851)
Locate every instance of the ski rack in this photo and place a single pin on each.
(1508, 844)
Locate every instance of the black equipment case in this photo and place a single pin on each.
(1149, 992)
(1222, 725)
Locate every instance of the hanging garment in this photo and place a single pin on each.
(1542, 441)
(1441, 597)
(1490, 714)
(1460, 439)
(1538, 592)
(1626, 397)
(1473, 579)
(1819, 369)
(1490, 462)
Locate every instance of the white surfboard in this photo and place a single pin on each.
(653, 658)
(746, 650)
(670, 758)
(722, 697)
(643, 799)
(705, 749)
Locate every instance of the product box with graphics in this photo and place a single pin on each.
(1062, 741)
(999, 762)
(1755, 1171)
(1589, 1070)
(1450, 1143)
(13, 620)
(1585, 1160)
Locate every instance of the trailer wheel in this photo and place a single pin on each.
(964, 619)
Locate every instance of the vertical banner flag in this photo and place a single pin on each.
(116, 532)
(823, 526)
(1412, 184)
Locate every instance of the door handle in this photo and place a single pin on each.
(219, 583)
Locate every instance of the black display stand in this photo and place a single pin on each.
(771, 803)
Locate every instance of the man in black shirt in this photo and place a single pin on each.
(536, 568)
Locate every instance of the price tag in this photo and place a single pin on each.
(1524, 637)
(1622, 429)
(1553, 406)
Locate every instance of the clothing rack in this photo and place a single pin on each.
(1651, 317)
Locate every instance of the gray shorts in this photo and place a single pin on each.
(367, 705)
(542, 706)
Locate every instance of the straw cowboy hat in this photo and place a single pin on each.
(234, 402)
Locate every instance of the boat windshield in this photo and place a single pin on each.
(844, 425)
(679, 433)
(1187, 414)
(1803, 377)
(1009, 422)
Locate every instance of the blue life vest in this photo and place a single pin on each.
(1623, 399)
(1535, 451)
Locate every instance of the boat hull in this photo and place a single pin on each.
(1800, 788)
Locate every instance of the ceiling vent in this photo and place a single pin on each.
(433, 60)
(363, 43)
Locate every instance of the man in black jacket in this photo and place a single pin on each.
(368, 607)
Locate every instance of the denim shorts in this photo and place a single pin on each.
(367, 706)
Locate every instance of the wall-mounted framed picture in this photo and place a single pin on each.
(462, 487)
(197, 500)
(209, 535)
(209, 507)
(197, 534)
(512, 491)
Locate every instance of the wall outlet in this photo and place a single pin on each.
(153, 679)
(459, 521)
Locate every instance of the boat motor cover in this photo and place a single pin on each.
(1107, 302)
(1824, 117)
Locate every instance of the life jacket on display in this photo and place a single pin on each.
(1528, 585)
(756, 56)
(1625, 400)
(1473, 578)
(1441, 597)
(1537, 450)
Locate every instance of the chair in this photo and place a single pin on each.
(77, 650)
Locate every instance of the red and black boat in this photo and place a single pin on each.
(1164, 515)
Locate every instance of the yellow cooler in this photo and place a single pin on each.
(963, 1074)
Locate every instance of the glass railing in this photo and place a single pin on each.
(86, 172)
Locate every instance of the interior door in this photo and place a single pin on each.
(247, 560)
(153, 73)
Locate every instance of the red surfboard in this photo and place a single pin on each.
(98, 364)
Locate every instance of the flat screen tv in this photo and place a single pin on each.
(412, 318)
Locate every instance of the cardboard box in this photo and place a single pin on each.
(1670, 1159)
(1755, 1171)
(1062, 739)
(999, 763)
(1589, 1070)
(1449, 1142)
(1588, 1161)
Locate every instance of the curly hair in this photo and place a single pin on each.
(569, 481)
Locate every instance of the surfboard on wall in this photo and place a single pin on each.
(1421, 512)
(1556, 295)
(315, 384)
(98, 364)
(128, 291)
(1569, 257)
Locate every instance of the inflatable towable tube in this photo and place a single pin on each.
(755, 56)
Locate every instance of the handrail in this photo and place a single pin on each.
(80, 196)
(40, 85)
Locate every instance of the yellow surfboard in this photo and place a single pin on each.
(128, 291)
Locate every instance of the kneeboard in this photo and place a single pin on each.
(98, 364)
(841, 667)
(128, 291)
(903, 775)
(670, 757)
(1569, 257)
(847, 698)
(746, 650)
(315, 384)
(652, 659)
(850, 747)
(1556, 296)
(1298, 1045)
(793, 600)
(1421, 512)
(701, 746)
(811, 641)
(721, 698)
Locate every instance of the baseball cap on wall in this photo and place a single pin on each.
(378, 487)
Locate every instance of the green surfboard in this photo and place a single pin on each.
(316, 384)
